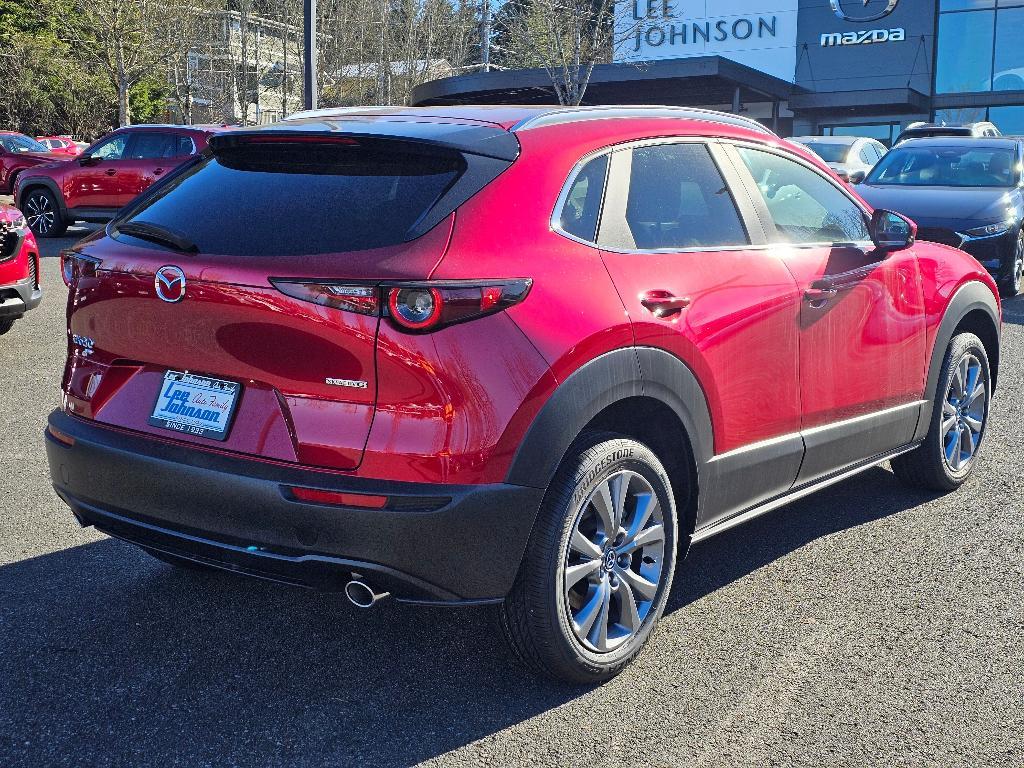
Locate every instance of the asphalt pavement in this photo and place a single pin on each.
(866, 625)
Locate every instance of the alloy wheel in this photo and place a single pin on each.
(40, 214)
(964, 411)
(1018, 262)
(614, 562)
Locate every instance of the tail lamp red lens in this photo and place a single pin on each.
(74, 265)
(413, 307)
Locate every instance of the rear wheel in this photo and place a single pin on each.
(6, 323)
(43, 214)
(598, 568)
(1010, 285)
(959, 420)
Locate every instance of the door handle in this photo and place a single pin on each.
(818, 296)
(110, 171)
(663, 303)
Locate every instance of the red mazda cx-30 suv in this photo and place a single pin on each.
(104, 177)
(520, 356)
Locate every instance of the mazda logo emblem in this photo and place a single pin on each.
(879, 9)
(170, 283)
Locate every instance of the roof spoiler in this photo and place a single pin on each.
(481, 140)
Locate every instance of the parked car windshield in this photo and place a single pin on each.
(13, 143)
(289, 200)
(830, 152)
(949, 166)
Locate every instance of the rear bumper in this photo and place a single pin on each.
(18, 298)
(430, 543)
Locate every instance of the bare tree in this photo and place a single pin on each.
(128, 40)
(565, 37)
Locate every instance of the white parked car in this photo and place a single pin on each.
(852, 157)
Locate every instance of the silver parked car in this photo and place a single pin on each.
(852, 157)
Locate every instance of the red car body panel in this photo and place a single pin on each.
(19, 265)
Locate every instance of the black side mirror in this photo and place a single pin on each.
(892, 231)
(85, 160)
(857, 177)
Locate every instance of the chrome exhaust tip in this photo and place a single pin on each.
(362, 595)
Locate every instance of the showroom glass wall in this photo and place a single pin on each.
(980, 50)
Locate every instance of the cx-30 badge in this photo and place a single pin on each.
(170, 283)
(879, 9)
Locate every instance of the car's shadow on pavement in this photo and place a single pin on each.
(110, 657)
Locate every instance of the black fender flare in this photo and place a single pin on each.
(969, 297)
(614, 376)
(28, 180)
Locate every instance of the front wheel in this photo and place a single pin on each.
(6, 323)
(598, 567)
(43, 214)
(959, 420)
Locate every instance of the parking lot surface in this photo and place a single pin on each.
(866, 625)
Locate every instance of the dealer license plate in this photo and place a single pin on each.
(196, 405)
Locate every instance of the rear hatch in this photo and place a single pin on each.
(233, 305)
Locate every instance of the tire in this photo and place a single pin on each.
(43, 214)
(178, 562)
(941, 462)
(545, 616)
(1010, 284)
(6, 323)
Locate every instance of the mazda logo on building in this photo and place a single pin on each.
(170, 283)
(863, 10)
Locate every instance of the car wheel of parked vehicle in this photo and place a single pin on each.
(6, 323)
(43, 214)
(1010, 285)
(959, 419)
(598, 567)
(178, 562)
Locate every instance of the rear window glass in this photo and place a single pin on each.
(293, 199)
(830, 152)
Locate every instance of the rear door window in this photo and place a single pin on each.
(677, 200)
(289, 199)
(152, 144)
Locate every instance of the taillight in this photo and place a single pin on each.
(74, 265)
(413, 307)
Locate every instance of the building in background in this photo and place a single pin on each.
(832, 67)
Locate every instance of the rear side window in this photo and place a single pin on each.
(678, 199)
(151, 144)
(290, 199)
(803, 204)
(583, 203)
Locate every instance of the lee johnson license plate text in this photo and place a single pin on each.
(196, 405)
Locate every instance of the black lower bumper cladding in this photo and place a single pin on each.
(430, 543)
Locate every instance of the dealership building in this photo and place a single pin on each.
(850, 67)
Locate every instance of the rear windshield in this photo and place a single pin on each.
(830, 152)
(952, 166)
(291, 199)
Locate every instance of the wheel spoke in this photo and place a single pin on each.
(645, 538)
(959, 381)
(966, 445)
(629, 615)
(598, 634)
(978, 391)
(646, 589)
(588, 614)
(646, 505)
(620, 488)
(574, 574)
(604, 506)
(584, 546)
(948, 417)
(973, 422)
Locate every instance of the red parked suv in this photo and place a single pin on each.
(18, 152)
(19, 268)
(105, 177)
(508, 355)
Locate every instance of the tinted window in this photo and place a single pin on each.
(183, 146)
(678, 199)
(950, 166)
(583, 203)
(18, 143)
(829, 151)
(267, 200)
(111, 149)
(151, 144)
(805, 206)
